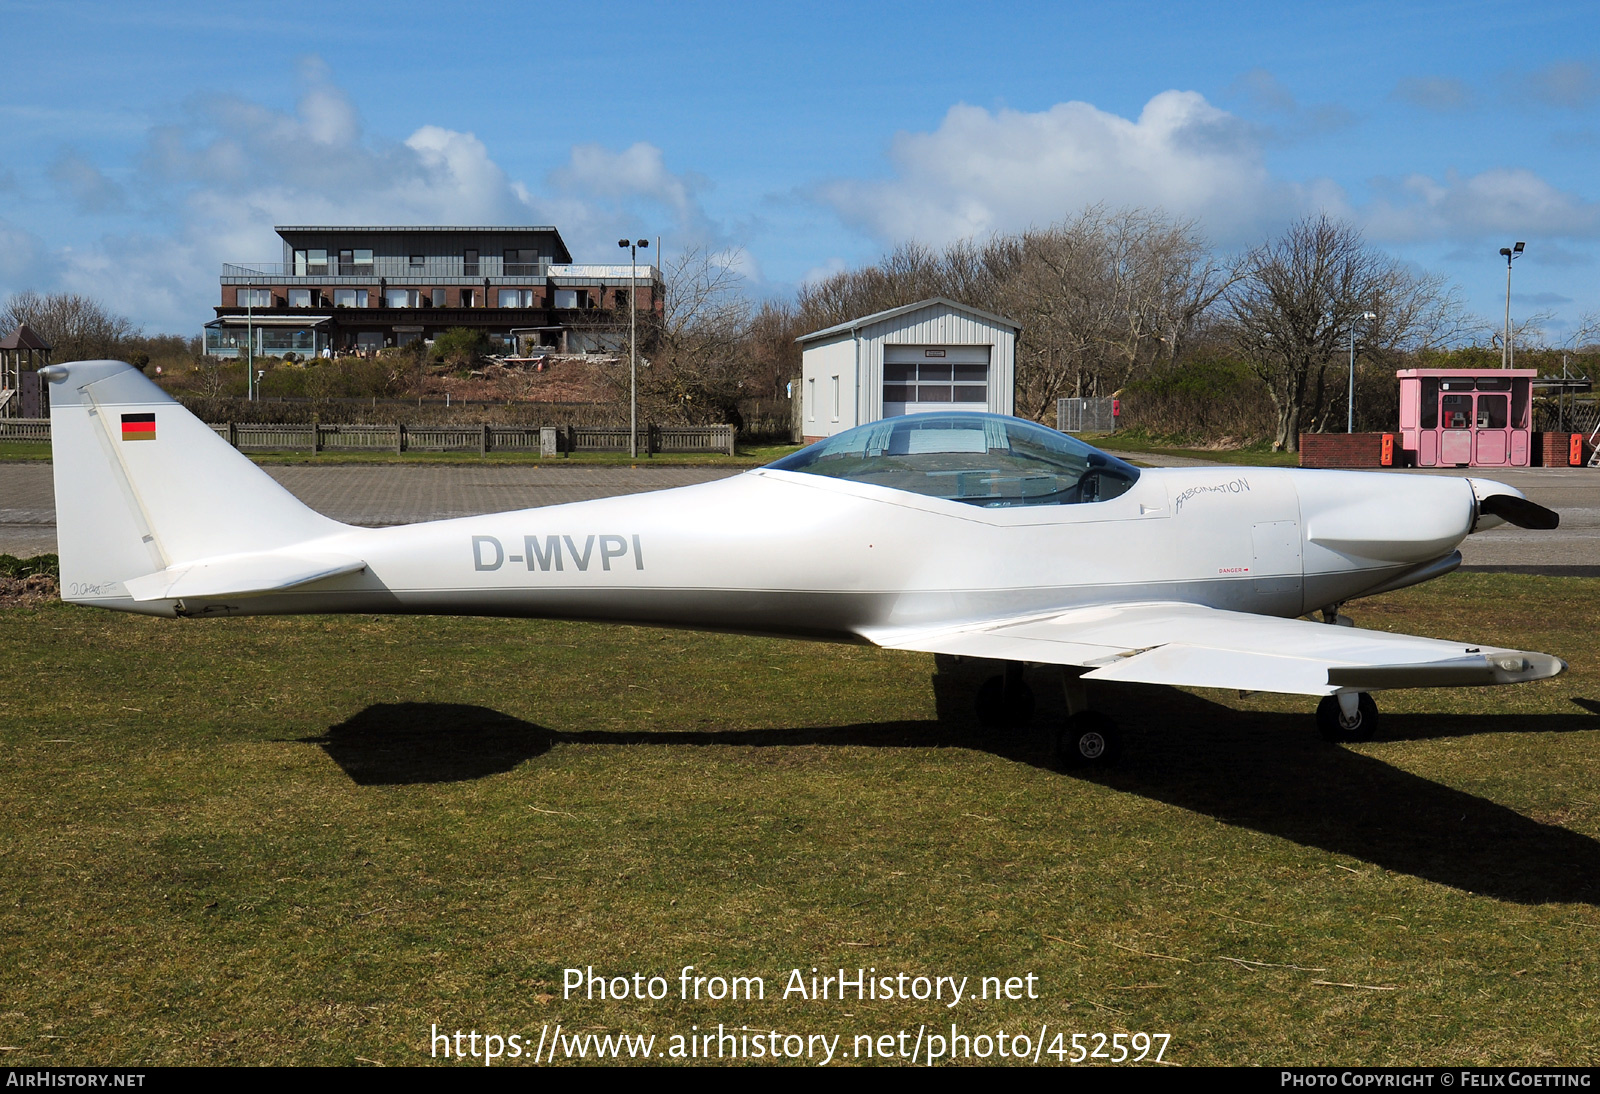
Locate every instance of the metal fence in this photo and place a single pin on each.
(399, 437)
(1085, 415)
(1570, 416)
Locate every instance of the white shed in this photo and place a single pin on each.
(929, 356)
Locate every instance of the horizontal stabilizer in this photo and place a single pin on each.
(241, 575)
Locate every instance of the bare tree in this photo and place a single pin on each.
(696, 358)
(1297, 299)
(1102, 298)
(77, 327)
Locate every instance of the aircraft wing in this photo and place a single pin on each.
(1192, 645)
(241, 575)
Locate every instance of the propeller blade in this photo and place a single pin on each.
(1519, 511)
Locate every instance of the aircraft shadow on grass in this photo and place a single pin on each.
(1266, 772)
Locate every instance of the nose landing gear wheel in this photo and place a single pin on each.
(1337, 726)
(1089, 739)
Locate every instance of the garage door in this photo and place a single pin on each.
(920, 379)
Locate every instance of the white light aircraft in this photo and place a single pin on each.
(968, 534)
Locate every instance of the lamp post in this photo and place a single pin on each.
(633, 341)
(250, 342)
(1350, 408)
(1508, 356)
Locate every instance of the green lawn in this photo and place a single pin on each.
(309, 840)
(1252, 456)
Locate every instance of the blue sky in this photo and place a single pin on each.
(143, 145)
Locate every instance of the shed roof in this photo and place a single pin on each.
(24, 337)
(878, 317)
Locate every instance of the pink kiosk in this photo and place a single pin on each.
(1466, 417)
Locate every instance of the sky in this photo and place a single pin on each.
(143, 145)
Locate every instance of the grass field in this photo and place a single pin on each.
(309, 840)
(1138, 441)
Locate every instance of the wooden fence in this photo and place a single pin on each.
(399, 437)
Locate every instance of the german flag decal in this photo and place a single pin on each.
(138, 427)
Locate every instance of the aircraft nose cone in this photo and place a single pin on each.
(1384, 517)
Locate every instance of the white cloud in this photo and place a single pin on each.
(21, 257)
(1571, 84)
(1499, 201)
(1440, 94)
(817, 274)
(1296, 119)
(982, 172)
(85, 184)
(231, 169)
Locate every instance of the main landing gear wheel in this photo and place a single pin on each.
(1005, 701)
(1338, 724)
(1089, 739)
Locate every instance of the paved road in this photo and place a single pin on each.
(375, 495)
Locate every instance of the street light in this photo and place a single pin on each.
(1350, 409)
(633, 342)
(250, 342)
(1508, 356)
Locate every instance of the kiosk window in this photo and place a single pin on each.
(1457, 411)
(1492, 411)
(1430, 403)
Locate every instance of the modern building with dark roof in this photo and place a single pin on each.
(345, 289)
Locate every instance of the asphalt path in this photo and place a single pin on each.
(398, 494)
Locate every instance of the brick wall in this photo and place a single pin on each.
(1555, 450)
(1345, 449)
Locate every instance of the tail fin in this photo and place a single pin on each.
(145, 488)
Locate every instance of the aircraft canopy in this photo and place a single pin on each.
(980, 459)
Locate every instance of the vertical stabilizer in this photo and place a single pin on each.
(143, 486)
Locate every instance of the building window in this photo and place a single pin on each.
(469, 298)
(316, 263)
(402, 298)
(349, 298)
(570, 298)
(255, 298)
(301, 298)
(836, 398)
(438, 298)
(522, 262)
(469, 265)
(811, 399)
(516, 298)
(369, 340)
(416, 262)
(906, 385)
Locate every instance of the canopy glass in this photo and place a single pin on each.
(979, 459)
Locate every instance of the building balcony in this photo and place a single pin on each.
(400, 271)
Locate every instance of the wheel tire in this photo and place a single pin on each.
(999, 709)
(1089, 739)
(1333, 727)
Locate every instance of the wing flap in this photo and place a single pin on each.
(241, 575)
(1195, 646)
